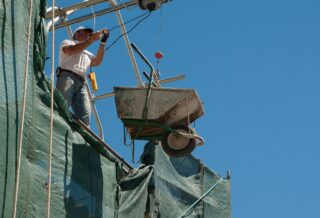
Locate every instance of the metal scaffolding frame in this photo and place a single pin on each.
(61, 20)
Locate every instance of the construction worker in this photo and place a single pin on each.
(74, 61)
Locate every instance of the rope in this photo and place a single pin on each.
(94, 17)
(132, 155)
(144, 115)
(131, 144)
(26, 69)
(51, 115)
(188, 113)
(160, 29)
(191, 132)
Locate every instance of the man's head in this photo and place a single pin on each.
(82, 33)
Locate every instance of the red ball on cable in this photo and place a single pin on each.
(158, 55)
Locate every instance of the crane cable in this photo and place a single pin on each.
(128, 21)
(144, 17)
(26, 69)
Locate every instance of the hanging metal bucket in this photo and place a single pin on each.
(161, 116)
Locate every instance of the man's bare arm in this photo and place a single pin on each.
(77, 48)
(80, 46)
(99, 57)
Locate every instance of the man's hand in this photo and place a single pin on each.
(105, 35)
(94, 36)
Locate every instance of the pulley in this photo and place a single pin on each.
(151, 5)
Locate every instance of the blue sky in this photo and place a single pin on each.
(255, 65)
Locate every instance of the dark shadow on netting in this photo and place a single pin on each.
(148, 155)
(7, 109)
(84, 191)
(39, 52)
(14, 61)
(186, 166)
(65, 166)
(177, 192)
(7, 87)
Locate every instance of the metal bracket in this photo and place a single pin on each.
(115, 7)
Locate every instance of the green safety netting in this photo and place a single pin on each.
(178, 182)
(87, 180)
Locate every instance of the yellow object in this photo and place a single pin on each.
(92, 77)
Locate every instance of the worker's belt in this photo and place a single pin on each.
(60, 70)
